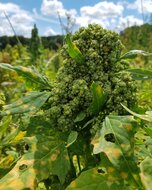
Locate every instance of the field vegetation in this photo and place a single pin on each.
(76, 111)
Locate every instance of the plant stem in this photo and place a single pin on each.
(79, 164)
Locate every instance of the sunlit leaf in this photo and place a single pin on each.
(145, 117)
(9, 138)
(134, 53)
(27, 73)
(141, 74)
(91, 180)
(30, 103)
(148, 131)
(99, 98)
(73, 51)
(45, 156)
(19, 137)
(4, 124)
(146, 173)
(72, 138)
(116, 140)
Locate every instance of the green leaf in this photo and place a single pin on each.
(73, 51)
(134, 53)
(27, 73)
(88, 123)
(9, 138)
(116, 140)
(72, 138)
(91, 180)
(148, 131)
(80, 117)
(13, 137)
(38, 124)
(146, 173)
(99, 98)
(141, 74)
(4, 124)
(46, 155)
(30, 103)
(145, 117)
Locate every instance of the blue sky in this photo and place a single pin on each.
(111, 14)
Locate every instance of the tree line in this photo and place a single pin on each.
(135, 37)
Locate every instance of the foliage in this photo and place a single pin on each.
(51, 42)
(74, 131)
(138, 37)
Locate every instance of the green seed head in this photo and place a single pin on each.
(72, 95)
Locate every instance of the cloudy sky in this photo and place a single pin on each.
(111, 14)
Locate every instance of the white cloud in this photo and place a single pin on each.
(103, 13)
(128, 21)
(21, 20)
(9, 7)
(52, 7)
(50, 32)
(102, 9)
(85, 20)
(38, 16)
(55, 7)
(145, 7)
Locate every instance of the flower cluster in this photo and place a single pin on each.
(71, 93)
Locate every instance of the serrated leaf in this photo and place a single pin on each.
(141, 74)
(134, 53)
(116, 140)
(30, 103)
(145, 117)
(27, 73)
(146, 173)
(99, 98)
(91, 179)
(72, 138)
(73, 50)
(45, 156)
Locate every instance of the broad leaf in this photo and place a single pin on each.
(30, 103)
(27, 73)
(45, 156)
(91, 180)
(72, 138)
(73, 51)
(116, 140)
(146, 173)
(38, 124)
(134, 53)
(145, 117)
(99, 98)
(141, 74)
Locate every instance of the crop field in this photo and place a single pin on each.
(76, 111)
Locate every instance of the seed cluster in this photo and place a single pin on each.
(71, 93)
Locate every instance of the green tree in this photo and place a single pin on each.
(35, 44)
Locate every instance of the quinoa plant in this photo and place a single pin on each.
(77, 133)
